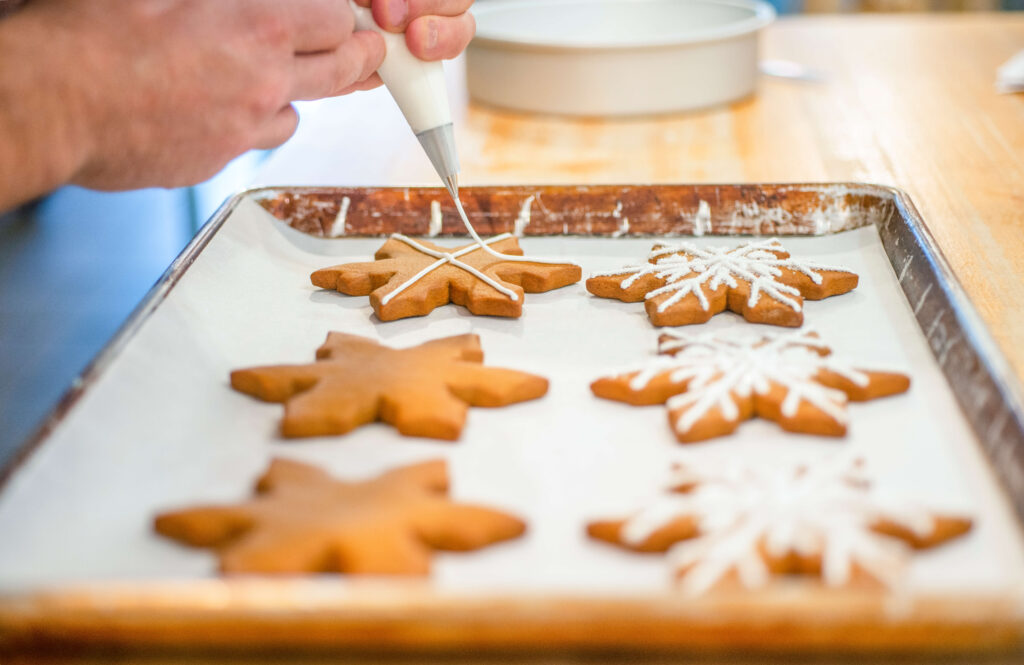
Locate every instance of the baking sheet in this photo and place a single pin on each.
(162, 429)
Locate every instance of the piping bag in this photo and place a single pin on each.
(419, 89)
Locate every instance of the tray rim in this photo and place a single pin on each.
(975, 333)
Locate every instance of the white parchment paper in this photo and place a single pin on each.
(162, 429)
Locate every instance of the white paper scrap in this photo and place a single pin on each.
(1010, 77)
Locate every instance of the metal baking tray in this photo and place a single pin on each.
(151, 424)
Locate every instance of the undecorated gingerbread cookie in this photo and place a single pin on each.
(683, 284)
(712, 382)
(413, 277)
(424, 390)
(304, 521)
(727, 524)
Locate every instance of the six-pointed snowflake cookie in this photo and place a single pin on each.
(683, 283)
(424, 390)
(304, 521)
(413, 277)
(711, 382)
(735, 523)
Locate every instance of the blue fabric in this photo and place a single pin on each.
(797, 6)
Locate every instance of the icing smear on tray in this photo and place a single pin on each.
(688, 269)
(747, 516)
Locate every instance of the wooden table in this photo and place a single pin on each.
(909, 102)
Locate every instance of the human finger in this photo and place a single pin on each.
(440, 37)
(278, 129)
(396, 15)
(369, 84)
(418, 8)
(325, 74)
(318, 25)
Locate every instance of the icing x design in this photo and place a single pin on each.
(689, 269)
(453, 259)
(747, 515)
(718, 369)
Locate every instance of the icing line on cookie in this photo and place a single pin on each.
(452, 258)
(447, 257)
(718, 368)
(826, 509)
(688, 269)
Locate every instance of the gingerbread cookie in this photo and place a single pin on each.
(682, 284)
(412, 277)
(425, 390)
(304, 521)
(744, 523)
(712, 382)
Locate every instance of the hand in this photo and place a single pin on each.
(434, 29)
(166, 92)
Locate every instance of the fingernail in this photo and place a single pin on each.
(433, 33)
(398, 11)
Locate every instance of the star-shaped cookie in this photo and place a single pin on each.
(746, 523)
(682, 284)
(712, 382)
(413, 277)
(424, 390)
(304, 521)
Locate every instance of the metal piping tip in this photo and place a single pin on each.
(452, 184)
(439, 144)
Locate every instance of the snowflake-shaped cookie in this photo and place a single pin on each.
(683, 283)
(424, 390)
(304, 521)
(745, 523)
(711, 382)
(413, 277)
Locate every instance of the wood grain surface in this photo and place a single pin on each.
(909, 101)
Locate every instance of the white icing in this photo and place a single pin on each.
(523, 220)
(623, 221)
(688, 269)
(338, 226)
(436, 219)
(721, 368)
(483, 245)
(747, 212)
(702, 220)
(452, 258)
(826, 509)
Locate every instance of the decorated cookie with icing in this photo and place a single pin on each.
(424, 390)
(413, 277)
(683, 284)
(304, 521)
(730, 524)
(712, 382)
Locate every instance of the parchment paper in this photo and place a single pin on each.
(162, 429)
